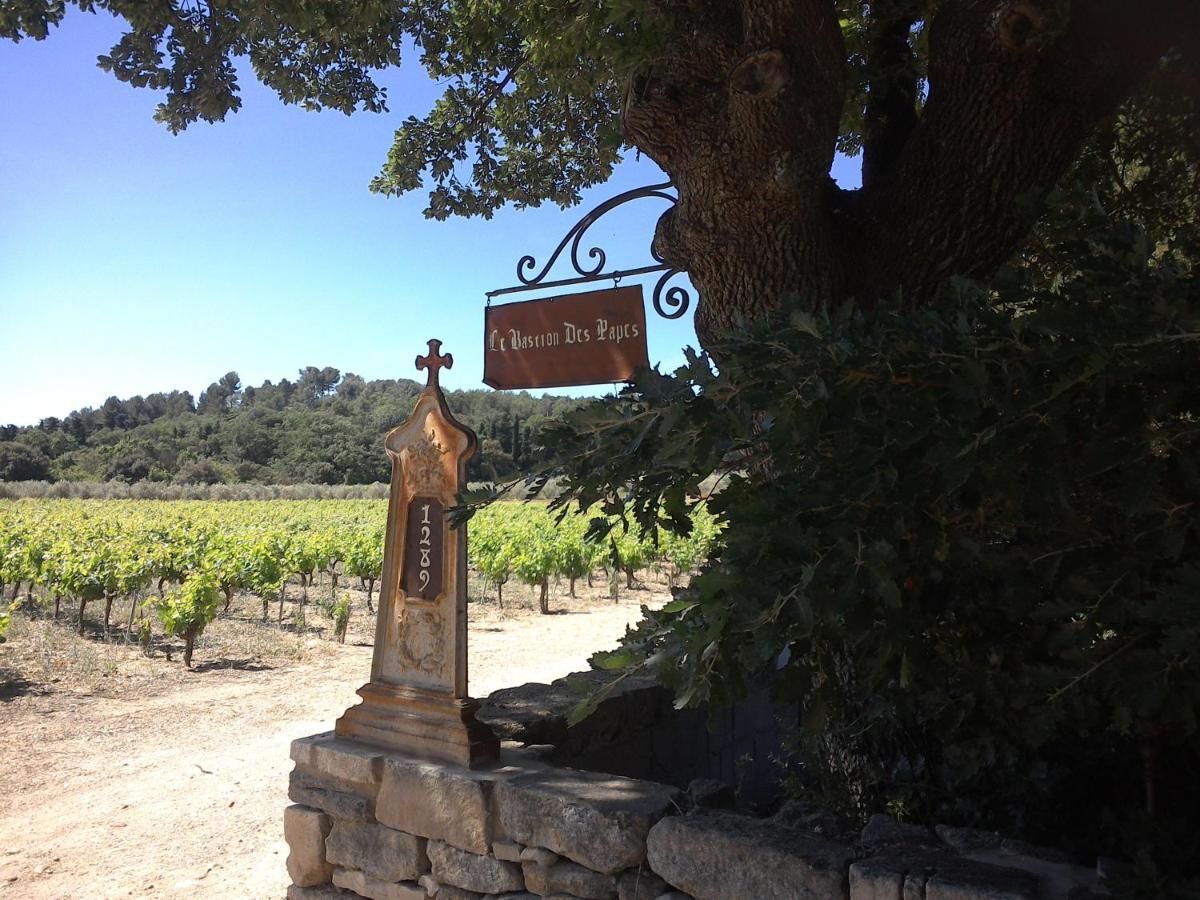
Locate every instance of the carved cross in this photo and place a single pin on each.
(434, 360)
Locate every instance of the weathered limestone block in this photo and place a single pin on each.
(711, 794)
(507, 850)
(472, 872)
(568, 878)
(328, 796)
(316, 892)
(896, 876)
(305, 831)
(964, 879)
(374, 889)
(1058, 878)
(812, 818)
(600, 821)
(377, 851)
(450, 892)
(884, 831)
(338, 758)
(967, 839)
(1057, 874)
(439, 802)
(640, 884)
(539, 855)
(714, 856)
(868, 882)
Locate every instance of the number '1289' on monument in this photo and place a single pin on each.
(422, 577)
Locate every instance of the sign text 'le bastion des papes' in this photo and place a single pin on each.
(588, 338)
(416, 701)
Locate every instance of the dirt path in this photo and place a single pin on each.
(178, 789)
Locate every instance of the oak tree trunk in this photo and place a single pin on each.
(743, 112)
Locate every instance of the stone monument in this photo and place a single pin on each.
(416, 701)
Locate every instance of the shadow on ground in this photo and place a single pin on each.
(13, 685)
(241, 665)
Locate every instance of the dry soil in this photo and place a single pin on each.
(122, 775)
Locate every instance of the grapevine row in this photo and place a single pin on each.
(194, 556)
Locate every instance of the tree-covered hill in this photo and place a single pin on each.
(322, 428)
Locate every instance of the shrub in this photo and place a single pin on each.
(340, 613)
(187, 611)
(963, 539)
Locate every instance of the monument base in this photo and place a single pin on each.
(421, 723)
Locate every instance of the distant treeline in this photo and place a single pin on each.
(325, 428)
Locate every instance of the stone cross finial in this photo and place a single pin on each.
(434, 360)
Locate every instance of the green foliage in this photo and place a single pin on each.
(340, 613)
(961, 538)
(19, 462)
(363, 558)
(89, 550)
(187, 611)
(324, 428)
(531, 551)
(532, 91)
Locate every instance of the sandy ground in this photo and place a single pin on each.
(125, 776)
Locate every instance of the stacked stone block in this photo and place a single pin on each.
(374, 824)
(386, 827)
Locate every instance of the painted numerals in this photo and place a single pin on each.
(423, 549)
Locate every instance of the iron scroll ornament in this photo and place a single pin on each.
(669, 302)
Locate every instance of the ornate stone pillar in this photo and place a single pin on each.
(416, 701)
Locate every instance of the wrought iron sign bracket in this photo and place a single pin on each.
(669, 302)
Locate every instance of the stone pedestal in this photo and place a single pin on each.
(425, 723)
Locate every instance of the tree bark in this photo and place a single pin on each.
(133, 605)
(743, 113)
(189, 644)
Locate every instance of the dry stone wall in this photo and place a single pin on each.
(376, 824)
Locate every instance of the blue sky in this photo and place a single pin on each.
(134, 261)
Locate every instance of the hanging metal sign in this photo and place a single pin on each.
(588, 338)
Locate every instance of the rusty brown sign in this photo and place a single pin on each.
(587, 338)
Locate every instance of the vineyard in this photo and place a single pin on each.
(180, 564)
